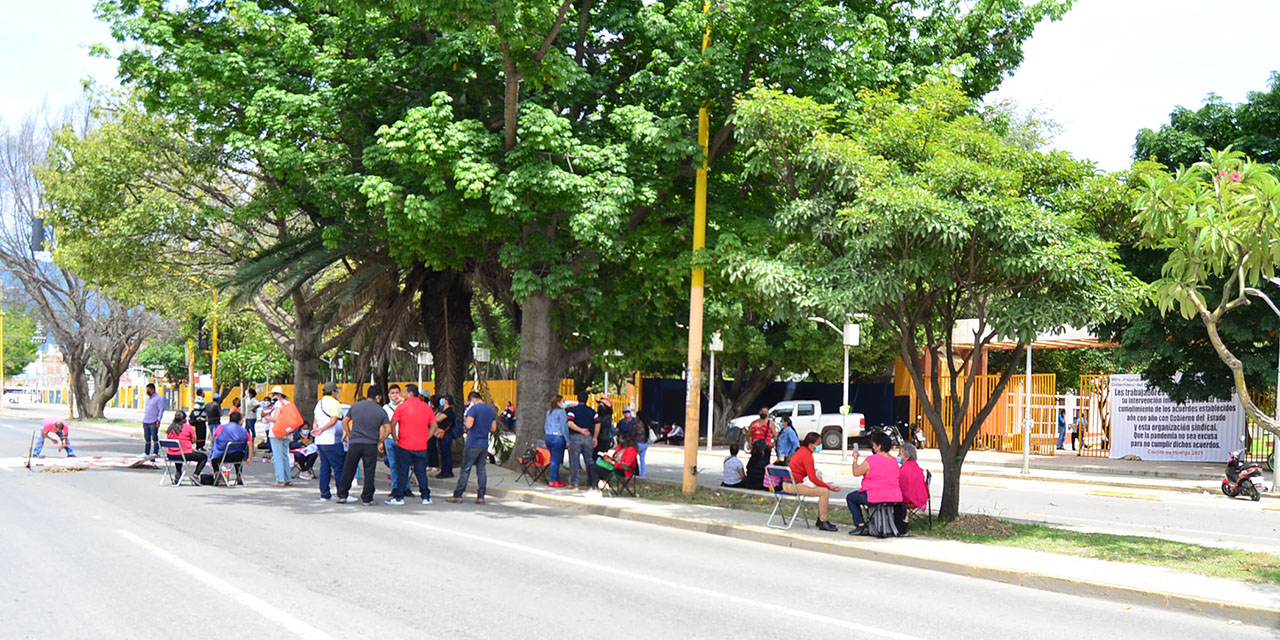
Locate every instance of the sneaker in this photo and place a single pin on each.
(426, 501)
(453, 499)
(824, 525)
(395, 501)
(367, 504)
(859, 530)
(328, 499)
(345, 500)
(594, 494)
(557, 484)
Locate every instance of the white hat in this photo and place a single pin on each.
(628, 409)
(277, 389)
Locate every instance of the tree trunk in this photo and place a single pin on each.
(306, 362)
(445, 309)
(80, 387)
(542, 365)
(951, 467)
(732, 399)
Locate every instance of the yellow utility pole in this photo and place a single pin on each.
(693, 387)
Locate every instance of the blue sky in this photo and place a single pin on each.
(1106, 70)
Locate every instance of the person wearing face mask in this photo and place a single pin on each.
(556, 434)
(802, 468)
(761, 429)
(880, 481)
(788, 442)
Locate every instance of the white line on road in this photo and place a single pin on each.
(751, 603)
(290, 623)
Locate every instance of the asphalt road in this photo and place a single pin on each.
(109, 553)
(1212, 519)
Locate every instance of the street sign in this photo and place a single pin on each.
(851, 335)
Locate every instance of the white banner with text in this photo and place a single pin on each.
(1147, 423)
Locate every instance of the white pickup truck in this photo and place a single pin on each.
(807, 416)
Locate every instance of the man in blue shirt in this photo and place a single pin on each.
(480, 420)
(152, 413)
(584, 428)
(230, 445)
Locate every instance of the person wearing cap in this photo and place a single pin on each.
(628, 422)
(326, 433)
(279, 444)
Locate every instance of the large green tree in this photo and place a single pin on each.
(911, 209)
(19, 350)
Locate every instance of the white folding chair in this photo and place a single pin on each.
(775, 476)
(169, 464)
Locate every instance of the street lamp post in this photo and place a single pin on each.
(1026, 418)
(850, 336)
(717, 344)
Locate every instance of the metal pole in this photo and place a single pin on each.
(606, 380)
(711, 400)
(419, 376)
(1275, 441)
(844, 419)
(1026, 419)
(693, 388)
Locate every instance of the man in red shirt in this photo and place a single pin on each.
(411, 426)
(802, 468)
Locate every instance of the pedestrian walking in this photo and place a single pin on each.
(285, 419)
(411, 427)
(480, 420)
(251, 405)
(367, 427)
(326, 433)
(57, 431)
(1062, 427)
(152, 414)
(556, 435)
(584, 425)
(450, 429)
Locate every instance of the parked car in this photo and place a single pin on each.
(807, 416)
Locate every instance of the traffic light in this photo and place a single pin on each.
(202, 338)
(37, 235)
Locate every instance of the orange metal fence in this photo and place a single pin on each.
(1002, 430)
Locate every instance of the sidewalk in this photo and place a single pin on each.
(1130, 584)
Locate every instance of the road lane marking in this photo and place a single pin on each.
(1124, 494)
(708, 593)
(1271, 508)
(983, 483)
(290, 623)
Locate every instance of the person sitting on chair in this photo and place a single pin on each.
(915, 493)
(303, 453)
(230, 444)
(674, 435)
(185, 434)
(623, 462)
(754, 477)
(54, 430)
(880, 481)
(802, 468)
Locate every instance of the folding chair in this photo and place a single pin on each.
(237, 466)
(534, 464)
(928, 502)
(617, 483)
(775, 476)
(182, 468)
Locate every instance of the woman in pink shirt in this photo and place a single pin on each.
(880, 482)
(185, 435)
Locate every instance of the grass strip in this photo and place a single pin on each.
(1235, 564)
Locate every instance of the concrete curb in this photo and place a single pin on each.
(1253, 615)
(1104, 483)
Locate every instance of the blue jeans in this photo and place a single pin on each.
(472, 457)
(389, 445)
(1062, 433)
(151, 438)
(582, 454)
(404, 459)
(332, 458)
(856, 501)
(642, 447)
(280, 458)
(446, 455)
(556, 445)
(65, 441)
(249, 426)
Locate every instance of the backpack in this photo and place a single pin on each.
(880, 521)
